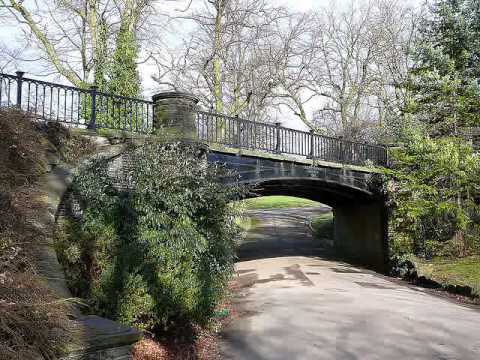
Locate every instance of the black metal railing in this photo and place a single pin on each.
(75, 106)
(90, 108)
(246, 134)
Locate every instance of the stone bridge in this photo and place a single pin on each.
(274, 159)
(352, 192)
(332, 172)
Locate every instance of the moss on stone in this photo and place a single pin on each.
(283, 157)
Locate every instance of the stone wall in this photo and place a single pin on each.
(93, 337)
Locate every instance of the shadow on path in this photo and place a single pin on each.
(283, 232)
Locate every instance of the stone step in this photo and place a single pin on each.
(97, 338)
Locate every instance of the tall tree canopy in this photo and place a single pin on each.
(444, 82)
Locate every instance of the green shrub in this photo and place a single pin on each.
(157, 254)
(434, 191)
(323, 226)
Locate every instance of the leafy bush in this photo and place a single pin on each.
(158, 252)
(434, 187)
(323, 226)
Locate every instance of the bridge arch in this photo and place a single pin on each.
(360, 213)
(326, 192)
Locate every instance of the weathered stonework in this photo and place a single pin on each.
(174, 116)
(97, 338)
(93, 337)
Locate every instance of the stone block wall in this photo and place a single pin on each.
(93, 337)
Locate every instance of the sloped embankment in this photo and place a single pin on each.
(37, 318)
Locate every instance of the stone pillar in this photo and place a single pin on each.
(174, 116)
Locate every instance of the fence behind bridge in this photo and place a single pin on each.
(90, 108)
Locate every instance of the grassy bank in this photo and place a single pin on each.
(247, 223)
(464, 271)
(323, 226)
(276, 202)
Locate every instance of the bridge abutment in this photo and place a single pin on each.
(361, 231)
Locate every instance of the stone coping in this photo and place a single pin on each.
(92, 333)
(282, 157)
(244, 152)
(175, 95)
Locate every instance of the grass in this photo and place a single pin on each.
(276, 202)
(323, 226)
(464, 271)
(247, 223)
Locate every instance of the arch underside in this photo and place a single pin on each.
(360, 214)
(329, 193)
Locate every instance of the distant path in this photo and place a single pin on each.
(282, 232)
(306, 307)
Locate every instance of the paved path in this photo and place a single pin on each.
(282, 232)
(306, 307)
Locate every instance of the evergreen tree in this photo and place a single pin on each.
(434, 190)
(444, 83)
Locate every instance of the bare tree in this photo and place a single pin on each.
(75, 38)
(8, 57)
(361, 56)
(291, 63)
(349, 64)
(246, 58)
(226, 58)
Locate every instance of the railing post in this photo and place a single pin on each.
(312, 144)
(279, 139)
(341, 156)
(19, 87)
(239, 132)
(93, 113)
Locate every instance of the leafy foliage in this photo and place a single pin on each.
(435, 186)
(124, 77)
(444, 82)
(434, 193)
(157, 254)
